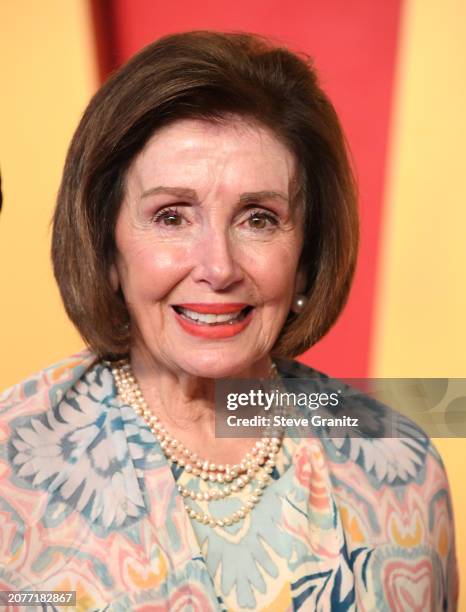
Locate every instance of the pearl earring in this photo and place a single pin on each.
(299, 303)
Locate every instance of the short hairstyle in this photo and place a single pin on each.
(203, 75)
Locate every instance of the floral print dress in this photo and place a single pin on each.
(88, 503)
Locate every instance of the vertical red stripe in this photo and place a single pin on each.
(354, 45)
(106, 46)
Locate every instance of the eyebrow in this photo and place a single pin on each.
(179, 192)
(184, 192)
(262, 195)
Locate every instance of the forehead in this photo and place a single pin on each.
(240, 152)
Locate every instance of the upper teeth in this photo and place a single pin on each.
(210, 318)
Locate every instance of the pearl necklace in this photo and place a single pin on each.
(257, 465)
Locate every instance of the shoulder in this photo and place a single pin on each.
(388, 446)
(62, 443)
(44, 389)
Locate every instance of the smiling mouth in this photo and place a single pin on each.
(210, 319)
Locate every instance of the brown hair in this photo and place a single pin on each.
(204, 75)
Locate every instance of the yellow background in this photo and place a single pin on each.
(47, 67)
(48, 74)
(421, 327)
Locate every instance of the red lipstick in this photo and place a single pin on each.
(215, 331)
(214, 308)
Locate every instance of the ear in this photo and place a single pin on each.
(301, 280)
(114, 278)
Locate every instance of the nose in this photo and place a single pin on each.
(215, 262)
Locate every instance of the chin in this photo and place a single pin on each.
(215, 366)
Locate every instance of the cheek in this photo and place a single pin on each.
(274, 272)
(281, 286)
(150, 273)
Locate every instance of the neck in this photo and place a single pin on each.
(180, 399)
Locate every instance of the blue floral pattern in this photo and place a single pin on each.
(89, 503)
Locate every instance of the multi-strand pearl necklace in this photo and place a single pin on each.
(257, 465)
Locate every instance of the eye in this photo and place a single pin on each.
(260, 219)
(168, 217)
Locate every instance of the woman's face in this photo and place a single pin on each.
(208, 242)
